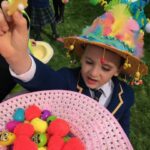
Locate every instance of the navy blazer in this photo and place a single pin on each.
(69, 79)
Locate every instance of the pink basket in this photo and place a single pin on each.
(89, 121)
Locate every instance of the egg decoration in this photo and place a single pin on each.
(6, 138)
(40, 139)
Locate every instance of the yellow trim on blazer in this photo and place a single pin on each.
(121, 101)
(79, 88)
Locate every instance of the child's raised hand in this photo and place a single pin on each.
(14, 40)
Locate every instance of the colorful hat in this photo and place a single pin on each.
(116, 31)
(41, 50)
(89, 121)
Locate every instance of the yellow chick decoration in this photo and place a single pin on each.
(16, 5)
(6, 138)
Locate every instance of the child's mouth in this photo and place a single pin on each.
(91, 81)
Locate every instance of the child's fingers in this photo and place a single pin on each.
(16, 18)
(20, 22)
(3, 24)
(5, 6)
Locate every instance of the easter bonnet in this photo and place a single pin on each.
(120, 30)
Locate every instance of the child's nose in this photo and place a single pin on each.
(95, 71)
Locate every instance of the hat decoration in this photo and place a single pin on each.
(136, 8)
(117, 31)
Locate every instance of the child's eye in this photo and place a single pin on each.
(89, 62)
(106, 69)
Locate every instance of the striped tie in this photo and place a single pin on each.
(97, 94)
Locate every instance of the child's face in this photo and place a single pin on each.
(94, 73)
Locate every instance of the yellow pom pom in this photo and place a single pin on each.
(129, 65)
(71, 47)
(137, 74)
(125, 66)
(42, 148)
(39, 125)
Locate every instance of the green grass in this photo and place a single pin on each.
(79, 14)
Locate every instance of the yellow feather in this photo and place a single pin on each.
(121, 15)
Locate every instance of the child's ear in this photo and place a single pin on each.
(117, 72)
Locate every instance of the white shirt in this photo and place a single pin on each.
(107, 93)
(27, 76)
(104, 99)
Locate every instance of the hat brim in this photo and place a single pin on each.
(80, 43)
(42, 51)
(88, 120)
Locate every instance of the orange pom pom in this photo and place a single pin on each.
(55, 143)
(58, 127)
(25, 129)
(24, 143)
(32, 112)
(74, 144)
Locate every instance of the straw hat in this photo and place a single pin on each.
(41, 50)
(118, 32)
(92, 123)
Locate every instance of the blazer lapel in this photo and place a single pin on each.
(81, 87)
(117, 100)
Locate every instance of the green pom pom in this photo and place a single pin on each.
(94, 2)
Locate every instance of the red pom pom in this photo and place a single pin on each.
(74, 144)
(25, 129)
(102, 60)
(55, 143)
(24, 143)
(32, 112)
(58, 127)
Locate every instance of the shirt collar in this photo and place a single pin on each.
(107, 88)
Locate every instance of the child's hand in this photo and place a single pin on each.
(14, 40)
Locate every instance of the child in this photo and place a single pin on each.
(105, 52)
(41, 13)
(59, 7)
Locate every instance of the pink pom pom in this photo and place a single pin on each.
(65, 1)
(132, 25)
(10, 126)
(106, 31)
(119, 36)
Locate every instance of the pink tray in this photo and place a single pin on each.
(90, 121)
